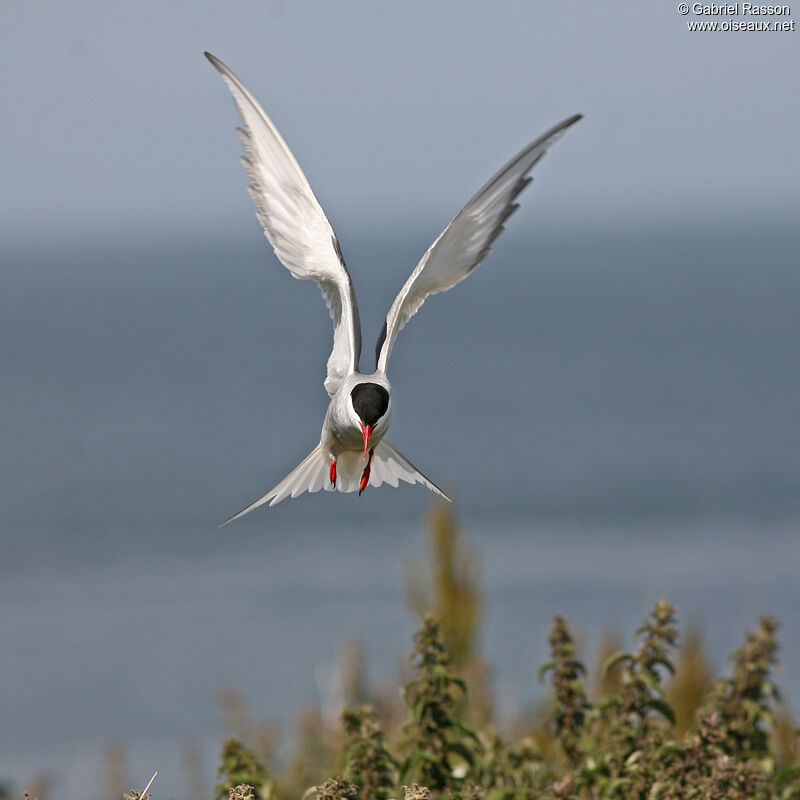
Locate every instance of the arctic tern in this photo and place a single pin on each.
(353, 452)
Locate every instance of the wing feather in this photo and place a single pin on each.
(296, 225)
(467, 240)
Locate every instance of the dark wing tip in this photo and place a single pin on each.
(572, 120)
(214, 60)
(563, 125)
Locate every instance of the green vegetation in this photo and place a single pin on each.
(650, 724)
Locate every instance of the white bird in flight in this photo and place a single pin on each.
(352, 452)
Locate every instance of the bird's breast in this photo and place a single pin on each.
(346, 432)
(348, 436)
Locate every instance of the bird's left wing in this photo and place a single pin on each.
(467, 240)
(296, 225)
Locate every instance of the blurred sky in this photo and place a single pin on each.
(115, 124)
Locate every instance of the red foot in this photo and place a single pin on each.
(332, 473)
(365, 474)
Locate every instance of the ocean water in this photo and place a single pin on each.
(615, 414)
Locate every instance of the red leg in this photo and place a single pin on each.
(332, 473)
(365, 474)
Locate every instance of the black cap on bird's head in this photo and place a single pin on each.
(370, 402)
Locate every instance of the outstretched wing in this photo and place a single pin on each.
(296, 225)
(466, 241)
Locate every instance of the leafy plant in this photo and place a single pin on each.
(369, 765)
(240, 767)
(436, 740)
(652, 727)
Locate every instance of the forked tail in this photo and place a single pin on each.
(312, 474)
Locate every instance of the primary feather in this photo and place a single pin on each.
(467, 240)
(296, 225)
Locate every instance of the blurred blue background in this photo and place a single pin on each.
(637, 324)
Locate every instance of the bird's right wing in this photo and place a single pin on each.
(467, 240)
(296, 225)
